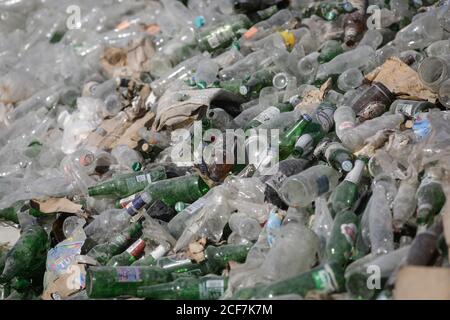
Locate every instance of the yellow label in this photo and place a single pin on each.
(288, 38)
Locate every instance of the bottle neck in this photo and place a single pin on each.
(355, 175)
(136, 249)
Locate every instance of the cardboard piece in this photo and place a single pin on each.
(54, 205)
(130, 137)
(422, 283)
(315, 96)
(402, 80)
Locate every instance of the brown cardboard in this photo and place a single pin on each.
(402, 80)
(54, 205)
(422, 283)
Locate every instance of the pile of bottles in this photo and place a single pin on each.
(355, 175)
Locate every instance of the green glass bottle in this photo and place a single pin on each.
(430, 197)
(346, 193)
(268, 114)
(152, 258)
(10, 214)
(105, 251)
(186, 189)
(110, 282)
(287, 141)
(217, 258)
(339, 157)
(327, 10)
(27, 257)
(329, 51)
(124, 185)
(233, 86)
(257, 81)
(210, 287)
(327, 278)
(221, 36)
(129, 256)
(340, 246)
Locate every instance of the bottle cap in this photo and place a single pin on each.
(136, 166)
(347, 166)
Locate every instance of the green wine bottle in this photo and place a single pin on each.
(340, 246)
(105, 251)
(288, 139)
(210, 287)
(346, 193)
(257, 81)
(109, 282)
(10, 213)
(124, 185)
(27, 257)
(152, 258)
(217, 258)
(129, 256)
(186, 189)
(430, 196)
(326, 278)
(329, 51)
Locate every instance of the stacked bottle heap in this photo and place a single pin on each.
(225, 149)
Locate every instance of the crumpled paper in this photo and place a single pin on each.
(130, 61)
(178, 107)
(401, 80)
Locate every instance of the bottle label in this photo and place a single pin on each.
(305, 142)
(276, 180)
(125, 201)
(250, 33)
(324, 116)
(195, 206)
(144, 178)
(288, 39)
(273, 225)
(354, 176)
(349, 232)
(346, 125)
(323, 185)
(134, 206)
(136, 248)
(211, 289)
(267, 115)
(128, 274)
(324, 280)
(405, 108)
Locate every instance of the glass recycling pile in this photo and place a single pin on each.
(226, 149)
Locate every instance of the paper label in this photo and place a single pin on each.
(136, 248)
(144, 177)
(349, 232)
(212, 289)
(324, 280)
(323, 185)
(128, 274)
(250, 33)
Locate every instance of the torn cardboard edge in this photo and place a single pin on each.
(54, 205)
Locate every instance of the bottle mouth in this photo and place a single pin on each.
(432, 71)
